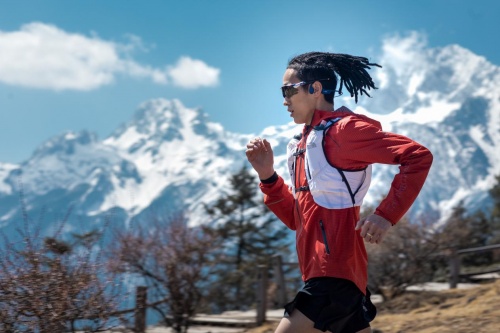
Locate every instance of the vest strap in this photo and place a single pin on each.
(299, 152)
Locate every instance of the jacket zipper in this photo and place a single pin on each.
(327, 249)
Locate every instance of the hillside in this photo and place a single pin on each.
(459, 311)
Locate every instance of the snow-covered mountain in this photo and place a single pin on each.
(448, 99)
(171, 157)
(167, 158)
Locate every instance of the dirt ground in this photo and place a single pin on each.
(474, 310)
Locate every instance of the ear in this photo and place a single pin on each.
(315, 87)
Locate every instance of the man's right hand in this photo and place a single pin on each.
(261, 157)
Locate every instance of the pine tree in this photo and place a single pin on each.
(250, 235)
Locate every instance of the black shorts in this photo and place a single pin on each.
(335, 305)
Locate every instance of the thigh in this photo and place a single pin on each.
(297, 322)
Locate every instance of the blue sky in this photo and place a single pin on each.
(88, 64)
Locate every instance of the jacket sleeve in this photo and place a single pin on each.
(280, 201)
(359, 143)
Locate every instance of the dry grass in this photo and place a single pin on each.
(474, 310)
(459, 311)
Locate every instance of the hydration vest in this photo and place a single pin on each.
(331, 187)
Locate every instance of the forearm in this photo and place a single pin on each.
(405, 187)
(279, 200)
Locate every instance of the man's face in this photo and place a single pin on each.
(298, 101)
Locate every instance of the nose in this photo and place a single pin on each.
(286, 101)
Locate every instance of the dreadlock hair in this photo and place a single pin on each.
(328, 67)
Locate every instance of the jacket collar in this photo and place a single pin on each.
(320, 115)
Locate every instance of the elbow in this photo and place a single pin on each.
(425, 156)
(429, 157)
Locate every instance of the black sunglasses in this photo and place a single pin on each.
(291, 89)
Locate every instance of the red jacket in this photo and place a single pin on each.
(352, 143)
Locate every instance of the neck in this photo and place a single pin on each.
(324, 105)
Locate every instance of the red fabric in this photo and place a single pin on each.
(352, 143)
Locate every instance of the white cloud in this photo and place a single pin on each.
(192, 73)
(405, 52)
(43, 56)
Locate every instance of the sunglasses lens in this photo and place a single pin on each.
(288, 91)
(284, 91)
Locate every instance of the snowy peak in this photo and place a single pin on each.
(425, 85)
(468, 72)
(155, 121)
(175, 149)
(161, 119)
(65, 144)
(67, 161)
(161, 122)
(5, 171)
(446, 98)
(411, 65)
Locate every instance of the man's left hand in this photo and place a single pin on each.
(373, 228)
